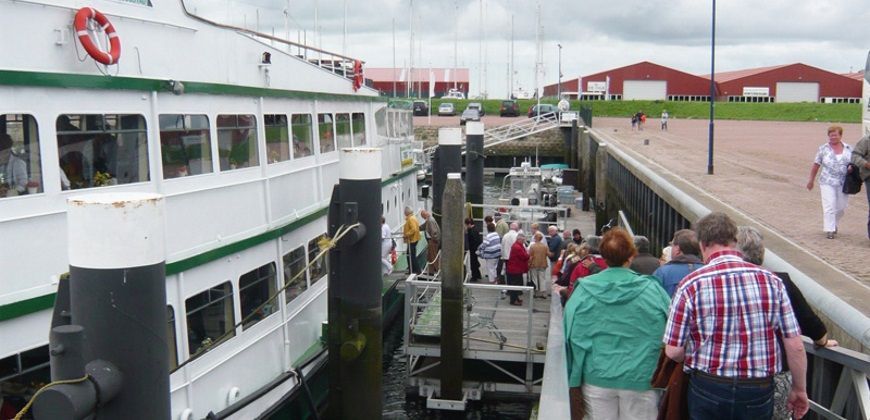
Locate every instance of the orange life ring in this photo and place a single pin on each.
(81, 26)
(357, 75)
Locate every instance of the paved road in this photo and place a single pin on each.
(762, 169)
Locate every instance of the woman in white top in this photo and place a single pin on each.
(833, 158)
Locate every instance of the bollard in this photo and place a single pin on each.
(453, 233)
(474, 168)
(449, 160)
(117, 292)
(355, 282)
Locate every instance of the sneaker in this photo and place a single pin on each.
(830, 235)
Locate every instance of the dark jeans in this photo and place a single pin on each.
(412, 255)
(709, 399)
(475, 267)
(867, 189)
(514, 280)
(498, 270)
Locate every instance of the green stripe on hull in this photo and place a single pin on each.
(39, 303)
(87, 81)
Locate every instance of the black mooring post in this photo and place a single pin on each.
(117, 292)
(355, 283)
(449, 161)
(453, 232)
(474, 168)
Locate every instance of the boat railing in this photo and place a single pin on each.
(339, 64)
(526, 215)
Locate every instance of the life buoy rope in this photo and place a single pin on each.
(357, 75)
(80, 23)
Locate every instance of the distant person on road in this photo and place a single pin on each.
(613, 324)
(634, 122)
(861, 159)
(751, 244)
(665, 117)
(833, 158)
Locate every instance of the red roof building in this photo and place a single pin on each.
(642, 80)
(444, 79)
(787, 83)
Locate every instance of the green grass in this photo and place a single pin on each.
(840, 113)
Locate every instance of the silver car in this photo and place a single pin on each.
(446, 108)
(470, 114)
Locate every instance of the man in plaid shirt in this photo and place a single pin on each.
(723, 324)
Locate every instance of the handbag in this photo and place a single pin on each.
(852, 182)
(669, 376)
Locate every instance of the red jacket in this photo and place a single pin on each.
(581, 271)
(518, 263)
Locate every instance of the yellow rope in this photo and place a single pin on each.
(325, 243)
(46, 386)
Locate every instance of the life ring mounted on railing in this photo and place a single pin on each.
(83, 17)
(357, 75)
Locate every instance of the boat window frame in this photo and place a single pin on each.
(25, 147)
(229, 316)
(188, 126)
(289, 272)
(269, 279)
(285, 149)
(250, 137)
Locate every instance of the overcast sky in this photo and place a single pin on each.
(595, 35)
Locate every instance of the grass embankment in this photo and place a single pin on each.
(841, 113)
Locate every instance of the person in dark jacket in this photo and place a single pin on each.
(472, 242)
(644, 262)
(751, 245)
(685, 258)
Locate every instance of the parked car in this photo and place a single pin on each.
(454, 94)
(509, 109)
(420, 108)
(478, 106)
(544, 109)
(446, 108)
(470, 114)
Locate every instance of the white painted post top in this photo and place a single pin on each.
(116, 230)
(454, 175)
(449, 136)
(360, 163)
(474, 128)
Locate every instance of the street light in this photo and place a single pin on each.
(560, 70)
(712, 90)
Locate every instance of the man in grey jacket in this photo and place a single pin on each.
(861, 159)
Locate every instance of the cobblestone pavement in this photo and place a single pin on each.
(762, 169)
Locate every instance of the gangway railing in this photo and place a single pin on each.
(838, 382)
(513, 131)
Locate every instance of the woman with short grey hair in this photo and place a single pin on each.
(750, 242)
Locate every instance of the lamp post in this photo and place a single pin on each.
(712, 90)
(560, 71)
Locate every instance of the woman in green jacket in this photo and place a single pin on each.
(614, 321)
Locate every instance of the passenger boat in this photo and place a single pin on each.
(238, 130)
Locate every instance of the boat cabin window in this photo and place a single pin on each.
(170, 337)
(326, 128)
(97, 150)
(237, 141)
(381, 122)
(342, 129)
(303, 136)
(209, 317)
(185, 145)
(294, 273)
(277, 138)
(320, 267)
(20, 163)
(359, 129)
(255, 289)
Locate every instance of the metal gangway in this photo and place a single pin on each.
(517, 130)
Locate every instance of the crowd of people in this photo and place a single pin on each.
(732, 327)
